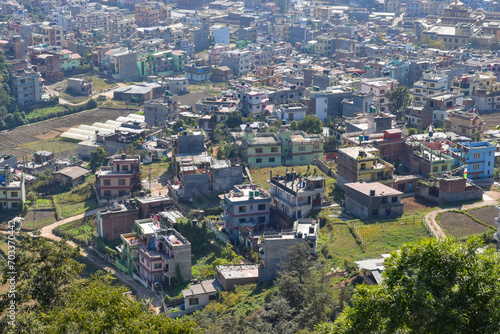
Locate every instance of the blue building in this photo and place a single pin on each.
(479, 158)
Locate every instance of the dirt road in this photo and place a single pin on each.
(489, 198)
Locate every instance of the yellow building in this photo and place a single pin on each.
(464, 123)
(467, 84)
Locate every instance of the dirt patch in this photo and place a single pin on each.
(412, 204)
(459, 225)
(49, 135)
(38, 218)
(486, 214)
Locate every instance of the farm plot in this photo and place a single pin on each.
(459, 225)
(38, 218)
(486, 214)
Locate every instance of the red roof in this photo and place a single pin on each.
(75, 56)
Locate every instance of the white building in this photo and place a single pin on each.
(219, 34)
(379, 87)
(252, 101)
(432, 84)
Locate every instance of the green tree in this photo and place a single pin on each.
(427, 40)
(177, 125)
(311, 124)
(234, 119)
(43, 271)
(97, 159)
(331, 144)
(430, 286)
(399, 100)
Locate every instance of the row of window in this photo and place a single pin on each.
(121, 182)
(107, 193)
(243, 208)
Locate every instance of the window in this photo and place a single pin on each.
(194, 301)
(258, 160)
(261, 220)
(242, 220)
(13, 194)
(463, 130)
(124, 167)
(107, 193)
(434, 169)
(271, 159)
(274, 149)
(121, 182)
(395, 199)
(157, 266)
(444, 167)
(302, 148)
(316, 146)
(477, 155)
(432, 85)
(122, 192)
(106, 182)
(475, 166)
(242, 208)
(258, 150)
(261, 207)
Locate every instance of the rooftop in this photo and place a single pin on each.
(380, 189)
(204, 287)
(238, 271)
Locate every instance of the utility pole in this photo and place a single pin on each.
(149, 179)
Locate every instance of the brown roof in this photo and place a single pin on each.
(73, 172)
(380, 189)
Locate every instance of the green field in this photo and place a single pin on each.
(43, 111)
(55, 145)
(261, 175)
(337, 243)
(79, 199)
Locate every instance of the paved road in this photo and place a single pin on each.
(431, 216)
(141, 291)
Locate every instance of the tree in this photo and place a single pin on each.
(399, 100)
(494, 44)
(330, 144)
(311, 124)
(97, 159)
(177, 125)
(430, 286)
(427, 40)
(43, 271)
(234, 119)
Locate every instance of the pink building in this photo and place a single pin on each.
(379, 87)
(215, 53)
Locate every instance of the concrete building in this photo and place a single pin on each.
(292, 112)
(448, 190)
(116, 220)
(121, 65)
(245, 204)
(295, 196)
(8, 160)
(70, 175)
(120, 179)
(200, 294)
(220, 34)
(464, 123)
(215, 53)
(424, 160)
(379, 87)
(231, 276)
(241, 62)
(358, 103)
(12, 191)
(478, 156)
(160, 111)
(362, 164)
(273, 248)
(432, 84)
(372, 200)
(252, 101)
(80, 86)
(27, 87)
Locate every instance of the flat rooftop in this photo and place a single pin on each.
(204, 287)
(381, 190)
(239, 271)
(353, 152)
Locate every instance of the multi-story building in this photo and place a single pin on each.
(48, 64)
(120, 179)
(220, 34)
(252, 101)
(50, 35)
(453, 37)
(27, 87)
(12, 193)
(241, 62)
(479, 157)
(215, 53)
(245, 205)
(198, 71)
(121, 65)
(294, 195)
(69, 60)
(432, 84)
(379, 87)
(464, 123)
(161, 111)
(423, 160)
(261, 149)
(467, 84)
(273, 248)
(147, 15)
(372, 200)
(154, 253)
(362, 164)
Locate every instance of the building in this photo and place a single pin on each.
(176, 85)
(197, 71)
(273, 248)
(241, 62)
(362, 164)
(215, 53)
(379, 87)
(455, 36)
(121, 65)
(200, 294)
(220, 34)
(231, 276)
(261, 149)
(464, 123)
(160, 111)
(432, 84)
(154, 253)
(246, 204)
(50, 35)
(478, 156)
(80, 86)
(70, 175)
(372, 200)
(448, 190)
(252, 101)
(139, 92)
(424, 160)
(295, 196)
(120, 178)
(12, 192)
(150, 14)
(8, 160)
(292, 112)
(115, 220)
(27, 87)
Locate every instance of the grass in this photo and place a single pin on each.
(36, 219)
(338, 245)
(44, 203)
(79, 199)
(43, 111)
(201, 262)
(261, 175)
(73, 97)
(157, 169)
(79, 230)
(55, 145)
(101, 84)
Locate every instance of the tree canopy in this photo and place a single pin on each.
(97, 159)
(399, 100)
(430, 286)
(311, 124)
(234, 119)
